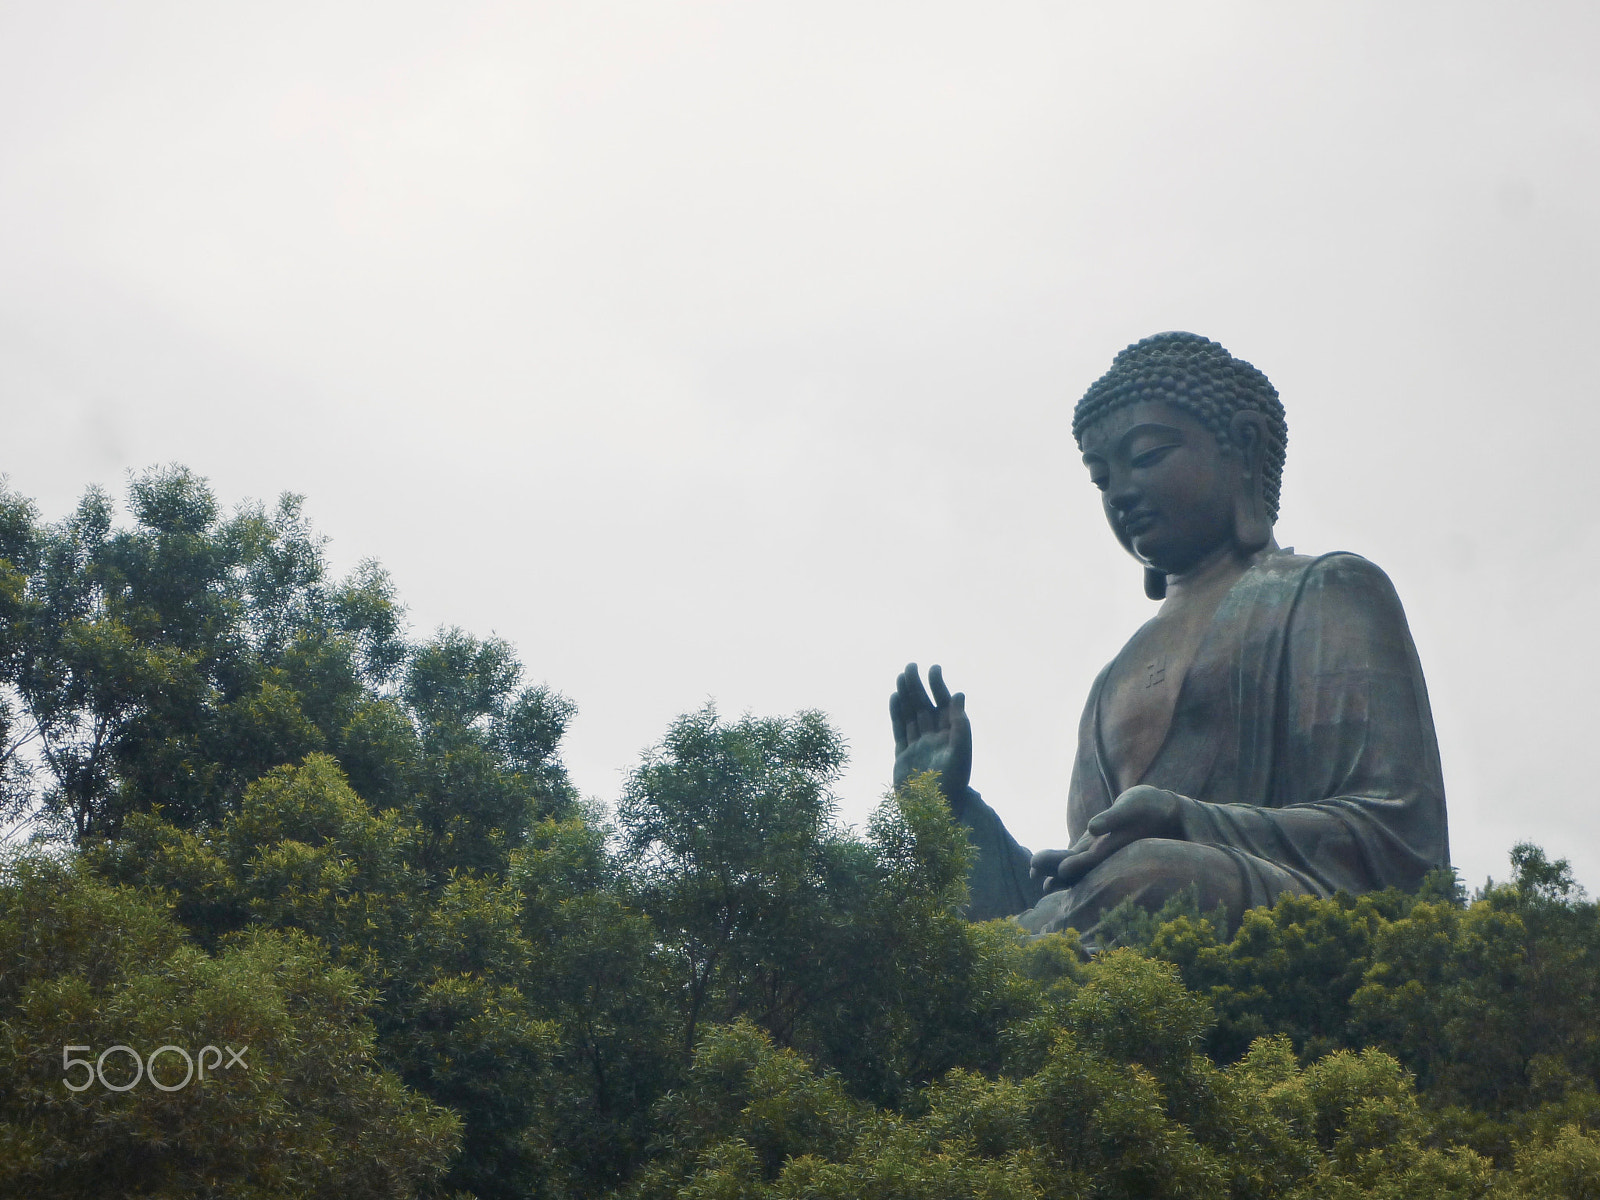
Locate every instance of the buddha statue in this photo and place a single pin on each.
(1266, 732)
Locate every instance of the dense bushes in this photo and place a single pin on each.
(307, 1109)
(1119, 1080)
(279, 824)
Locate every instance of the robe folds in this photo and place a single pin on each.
(1302, 745)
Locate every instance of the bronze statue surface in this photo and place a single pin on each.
(1267, 731)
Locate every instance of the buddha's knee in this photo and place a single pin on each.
(1152, 871)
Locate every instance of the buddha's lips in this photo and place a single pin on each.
(1138, 521)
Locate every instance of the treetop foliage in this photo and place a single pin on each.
(281, 823)
(311, 1111)
(171, 663)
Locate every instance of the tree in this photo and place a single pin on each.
(1493, 1005)
(601, 976)
(1119, 1104)
(291, 824)
(534, 1005)
(486, 767)
(728, 831)
(1291, 968)
(307, 1112)
(175, 661)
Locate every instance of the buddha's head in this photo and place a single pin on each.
(1186, 444)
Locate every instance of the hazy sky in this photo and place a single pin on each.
(727, 351)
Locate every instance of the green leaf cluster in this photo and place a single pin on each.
(1107, 1091)
(849, 949)
(310, 1110)
(530, 1001)
(169, 663)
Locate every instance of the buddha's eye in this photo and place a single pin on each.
(1099, 481)
(1151, 457)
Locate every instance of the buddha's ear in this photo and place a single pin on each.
(1252, 527)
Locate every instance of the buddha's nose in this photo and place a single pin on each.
(1122, 495)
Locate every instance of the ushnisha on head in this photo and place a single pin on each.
(1202, 387)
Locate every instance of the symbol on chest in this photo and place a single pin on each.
(1155, 672)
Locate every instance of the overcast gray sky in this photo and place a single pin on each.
(728, 350)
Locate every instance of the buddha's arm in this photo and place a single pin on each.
(999, 882)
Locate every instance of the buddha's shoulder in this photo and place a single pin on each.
(1339, 572)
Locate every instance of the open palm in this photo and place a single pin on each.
(931, 734)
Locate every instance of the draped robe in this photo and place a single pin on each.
(1302, 746)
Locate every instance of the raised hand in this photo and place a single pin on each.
(1140, 812)
(931, 735)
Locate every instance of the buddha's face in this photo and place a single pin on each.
(1168, 487)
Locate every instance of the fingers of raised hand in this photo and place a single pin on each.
(897, 719)
(911, 687)
(941, 694)
(956, 721)
(915, 706)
